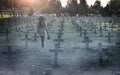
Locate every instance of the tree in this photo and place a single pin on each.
(105, 11)
(97, 7)
(4, 4)
(72, 7)
(114, 7)
(83, 7)
(52, 7)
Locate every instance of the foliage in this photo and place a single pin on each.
(96, 8)
(114, 7)
(72, 7)
(52, 7)
(83, 7)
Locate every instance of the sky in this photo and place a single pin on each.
(103, 2)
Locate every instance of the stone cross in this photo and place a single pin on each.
(7, 32)
(62, 25)
(9, 53)
(26, 38)
(58, 42)
(105, 26)
(87, 41)
(94, 29)
(19, 31)
(101, 32)
(85, 34)
(27, 27)
(112, 28)
(35, 36)
(101, 54)
(60, 32)
(109, 37)
(56, 51)
(80, 30)
(100, 47)
(59, 37)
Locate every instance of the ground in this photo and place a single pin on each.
(75, 58)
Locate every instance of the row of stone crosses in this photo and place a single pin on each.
(83, 33)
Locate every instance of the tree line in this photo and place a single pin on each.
(82, 8)
(72, 8)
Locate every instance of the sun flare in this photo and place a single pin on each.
(26, 2)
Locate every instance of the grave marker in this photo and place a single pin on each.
(9, 53)
(26, 42)
(105, 27)
(85, 34)
(35, 36)
(62, 25)
(80, 30)
(59, 37)
(60, 32)
(56, 51)
(112, 28)
(87, 41)
(7, 32)
(18, 29)
(109, 37)
(101, 55)
(26, 39)
(101, 32)
(58, 42)
(94, 29)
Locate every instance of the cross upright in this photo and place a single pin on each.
(101, 33)
(60, 32)
(27, 27)
(94, 29)
(112, 28)
(7, 32)
(59, 42)
(105, 26)
(101, 54)
(59, 36)
(56, 51)
(87, 42)
(35, 36)
(100, 47)
(109, 36)
(62, 25)
(26, 38)
(9, 53)
(19, 31)
(85, 34)
(77, 27)
(80, 30)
